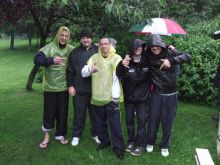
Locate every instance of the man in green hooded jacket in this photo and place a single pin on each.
(53, 57)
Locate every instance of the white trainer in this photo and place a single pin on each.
(96, 139)
(164, 152)
(75, 141)
(150, 148)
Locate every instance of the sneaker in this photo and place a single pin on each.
(96, 139)
(129, 147)
(75, 141)
(150, 148)
(164, 152)
(138, 151)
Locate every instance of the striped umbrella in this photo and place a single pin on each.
(159, 26)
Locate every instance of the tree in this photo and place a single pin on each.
(54, 11)
(27, 26)
(10, 14)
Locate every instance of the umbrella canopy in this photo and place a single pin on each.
(159, 26)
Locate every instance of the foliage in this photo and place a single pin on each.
(11, 11)
(196, 79)
(189, 11)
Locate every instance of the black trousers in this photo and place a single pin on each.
(108, 119)
(139, 135)
(162, 109)
(56, 110)
(81, 104)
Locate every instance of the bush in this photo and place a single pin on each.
(195, 82)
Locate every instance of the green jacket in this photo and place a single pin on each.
(54, 76)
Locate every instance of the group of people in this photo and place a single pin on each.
(98, 79)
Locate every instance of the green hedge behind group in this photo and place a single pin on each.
(196, 79)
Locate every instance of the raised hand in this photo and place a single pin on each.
(165, 64)
(126, 61)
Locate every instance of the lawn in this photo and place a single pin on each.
(21, 120)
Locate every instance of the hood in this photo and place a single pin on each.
(156, 40)
(61, 29)
(134, 44)
(112, 52)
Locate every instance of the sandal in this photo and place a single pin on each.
(44, 144)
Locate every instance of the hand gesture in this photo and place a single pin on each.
(126, 61)
(93, 68)
(58, 60)
(165, 64)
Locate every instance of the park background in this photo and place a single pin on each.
(27, 25)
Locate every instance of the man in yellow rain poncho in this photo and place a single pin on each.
(53, 57)
(105, 95)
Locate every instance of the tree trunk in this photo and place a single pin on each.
(29, 42)
(37, 46)
(36, 68)
(12, 40)
(31, 77)
(43, 39)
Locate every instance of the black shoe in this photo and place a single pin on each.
(130, 147)
(119, 153)
(102, 146)
(138, 151)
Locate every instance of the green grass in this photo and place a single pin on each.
(21, 119)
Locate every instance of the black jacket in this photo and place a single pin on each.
(77, 60)
(135, 80)
(164, 80)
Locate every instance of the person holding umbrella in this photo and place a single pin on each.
(134, 72)
(163, 102)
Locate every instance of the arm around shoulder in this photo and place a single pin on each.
(179, 58)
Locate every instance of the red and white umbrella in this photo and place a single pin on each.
(161, 26)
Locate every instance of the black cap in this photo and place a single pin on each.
(86, 32)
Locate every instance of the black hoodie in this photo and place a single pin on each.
(164, 80)
(135, 79)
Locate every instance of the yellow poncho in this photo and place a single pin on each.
(103, 79)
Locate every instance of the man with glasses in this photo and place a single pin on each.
(105, 96)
